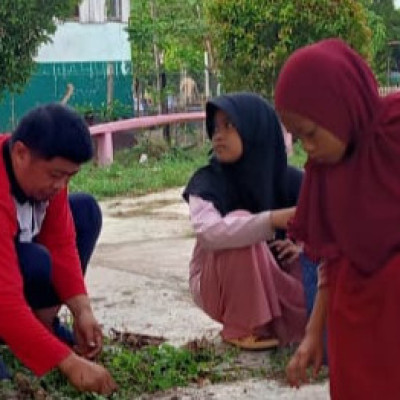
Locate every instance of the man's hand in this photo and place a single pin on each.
(87, 376)
(88, 335)
(87, 331)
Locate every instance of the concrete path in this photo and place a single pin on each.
(138, 281)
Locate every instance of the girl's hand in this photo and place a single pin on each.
(310, 352)
(280, 218)
(286, 251)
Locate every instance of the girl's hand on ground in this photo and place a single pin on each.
(287, 251)
(310, 352)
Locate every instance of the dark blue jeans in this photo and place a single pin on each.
(35, 261)
(310, 282)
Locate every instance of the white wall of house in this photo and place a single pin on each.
(93, 36)
(76, 42)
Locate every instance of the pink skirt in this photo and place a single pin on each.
(249, 293)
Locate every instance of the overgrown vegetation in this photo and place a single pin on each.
(253, 39)
(24, 26)
(147, 370)
(151, 369)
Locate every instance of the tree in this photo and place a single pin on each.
(166, 36)
(388, 53)
(24, 26)
(252, 39)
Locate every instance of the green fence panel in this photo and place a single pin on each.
(49, 84)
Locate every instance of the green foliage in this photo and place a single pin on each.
(160, 368)
(388, 48)
(299, 156)
(175, 26)
(252, 39)
(24, 26)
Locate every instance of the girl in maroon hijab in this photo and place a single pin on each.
(349, 215)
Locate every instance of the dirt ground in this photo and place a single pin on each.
(138, 281)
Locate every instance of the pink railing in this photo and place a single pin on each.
(385, 90)
(103, 133)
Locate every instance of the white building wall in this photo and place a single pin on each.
(76, 42)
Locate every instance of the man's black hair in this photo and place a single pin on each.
(55, 130)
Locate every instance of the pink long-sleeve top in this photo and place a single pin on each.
(216, 232)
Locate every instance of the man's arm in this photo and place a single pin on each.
(27, 338)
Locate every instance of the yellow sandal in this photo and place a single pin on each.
(254, 343)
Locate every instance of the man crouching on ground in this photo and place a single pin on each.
(46, 240)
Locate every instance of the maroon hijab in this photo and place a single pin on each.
(350, 209)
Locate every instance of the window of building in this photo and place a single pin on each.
(114, 10)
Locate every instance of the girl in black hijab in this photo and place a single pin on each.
(240, 201)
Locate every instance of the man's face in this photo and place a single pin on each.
(41, 179)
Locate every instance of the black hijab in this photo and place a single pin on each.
(259, 180)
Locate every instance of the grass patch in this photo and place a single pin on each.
(147, 370)
(126, 176)
(165, 168)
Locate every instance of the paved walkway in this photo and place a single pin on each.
(138, 281)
